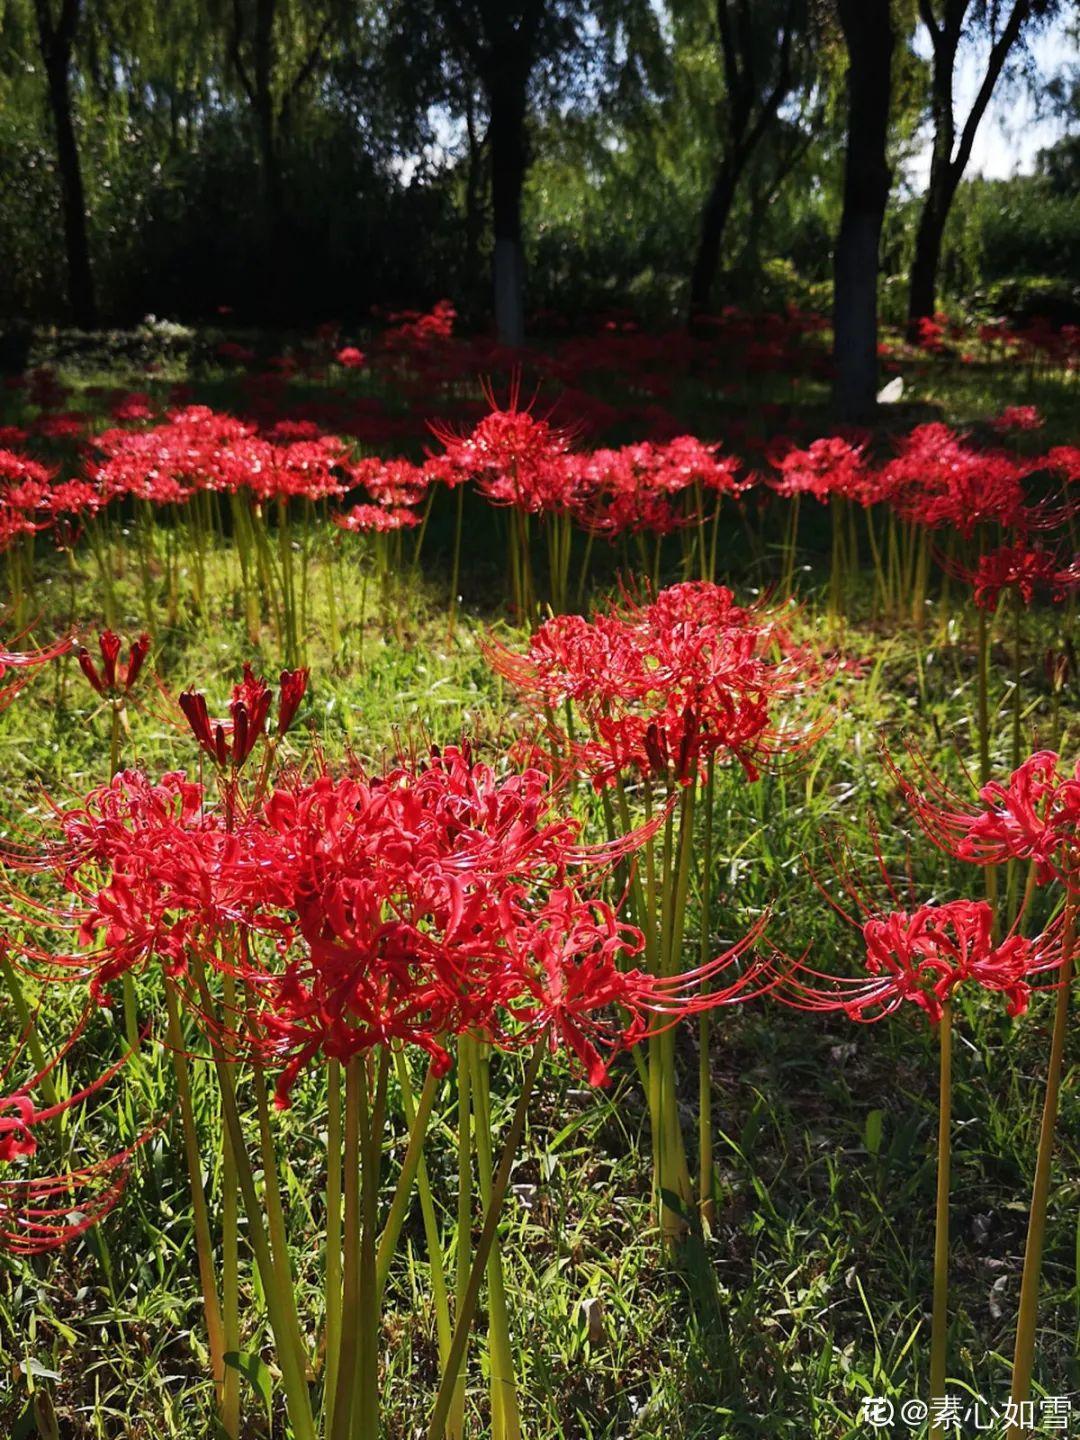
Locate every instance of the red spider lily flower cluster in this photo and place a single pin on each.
(435, 899)
(391, 482)
(1034, 816)
(376, 519)
(922, 956)
(937, 480)
(519, 459)
(637, 488)
(230, 742)
(1018, 417)
(1023, 569)
(197, 449)
(661, 686)
(829, 466)
(515, 458)
(114, 679)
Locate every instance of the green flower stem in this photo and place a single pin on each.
(940, 1316)
(200, 1218)
(500, 1182)
(332, 1276)
(339, 1411)
(439, 1295)
(1027, 1315)
(505, 1415)
(399, 1205)
(293, 1374)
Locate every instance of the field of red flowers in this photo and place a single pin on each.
(539, 897)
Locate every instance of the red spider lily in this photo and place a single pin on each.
(230, 742)
(1018, 417)
(634, 489)
(1023, 569)
(114, 679)
(514, 457)
(938, 480)
(378, 899)
(1033, 815)
(392, 483)
(17, 470)
(830, 466)
(166, 883)
(663, 685)
(25, 662)
(19, 1116)
(922, 956)
(570, 962)
(42, 1213)
(1064, 460)
(292, 687)
(46, 1213)
(195, 448)
(377, 519)
(350, 357)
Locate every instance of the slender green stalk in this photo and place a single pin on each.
(439, 1296)
(1027, 1315)
(455, 566)
(204, 1249)
(275, 1211)
(456, 1403)
(939, 1325)
(230, 1259)
(365, 1404)
(705, 1141)
(791, 546)
(1018, 662)
(28, 1027)
(505, 1415)
(983, 646)
(339, 1409)
(293, 1373)
(399, 1205)
(464, 1317)
(334, 1145)
(583, 575)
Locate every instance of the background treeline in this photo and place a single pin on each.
(297, 160)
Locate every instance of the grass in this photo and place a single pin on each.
(812, 1291)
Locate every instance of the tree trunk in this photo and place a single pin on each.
(922, 282)
(474, 194)
(509, 157)
(946, 168)
(72, 195)
(266, 139)
(869, 34)
(713, 222)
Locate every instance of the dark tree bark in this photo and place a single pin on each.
(946, 167)
(713, 224)
(868, 32)
(56, 42)
(509, 160)
(256, 80)
(271, 121)
(474, 188)
(749, 112)
(500, 40)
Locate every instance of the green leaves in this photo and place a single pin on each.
(257, 1373)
